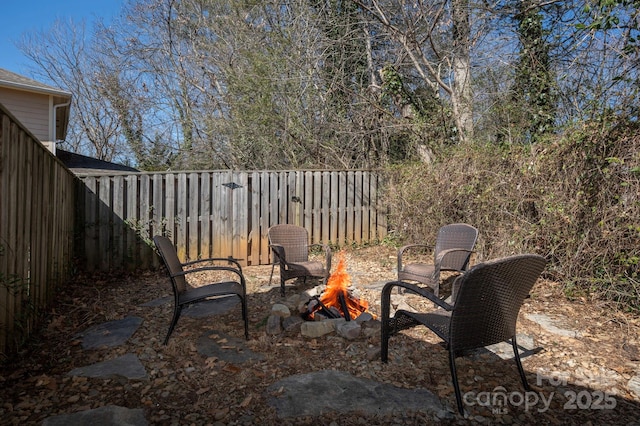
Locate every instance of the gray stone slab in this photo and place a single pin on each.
(226, 348)
(220, 305)
(325, 391)
(552, 325)
(111, 415)
(128, 366)
(504, 350)
(109, 334)
(634, 385)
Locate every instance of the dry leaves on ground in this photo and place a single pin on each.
(185, 387)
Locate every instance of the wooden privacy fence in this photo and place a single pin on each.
(221, 213)
(36, 230)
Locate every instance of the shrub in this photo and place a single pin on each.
(574, 199)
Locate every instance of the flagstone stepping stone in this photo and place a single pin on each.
(552, 325)
(504, 350)
(220, 305)
(127, 365)
(109, 334)
(325, 391)
(634, 386)
(226, 348)
(103, 416)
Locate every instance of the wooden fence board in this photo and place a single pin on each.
(342, 208)
(264, 182)
(366, 207)
(240, 216)
(39, 268)
(5, 298)
(316, 206)
(282, 201)
(272, 199)
(254, 237)
(21, 251)
(105, 230)
(170, 205)
(307, 202)
(350, 206)
(193, 183)
(205, 215)
(29, 215)
(119, 229)
(216, 217)
(332, 214)
(91, 224)
(325, 234)
(131, 220)
(180, 239)
(357, 219)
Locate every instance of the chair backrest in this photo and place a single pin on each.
(489, 299)
(294, 239)
(170, 258)
(455, 235)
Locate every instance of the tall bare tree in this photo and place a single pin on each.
(63, 56)
(436, 37)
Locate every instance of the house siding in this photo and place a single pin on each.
(31, 109)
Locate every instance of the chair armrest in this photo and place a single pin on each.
(214, 268)
(278, 250)
(420, 291)
(327, 254)
(215, 259)
(409, 247)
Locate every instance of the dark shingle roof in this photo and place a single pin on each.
(81, 164)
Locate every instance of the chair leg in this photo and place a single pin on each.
(454, 379)
(384, 341)
(245, 317)
(385, 305)
(516, 356)
(273, 266)
(281, 286)
(176, 314)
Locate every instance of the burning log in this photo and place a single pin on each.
(343, 306)
(336, 301)
(318, 306)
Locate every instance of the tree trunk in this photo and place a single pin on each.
(461, 98)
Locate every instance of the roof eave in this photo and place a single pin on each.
(35, 89)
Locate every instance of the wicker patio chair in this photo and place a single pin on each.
(185, 295)
(452, 251)
(484, 312)
(290, 246)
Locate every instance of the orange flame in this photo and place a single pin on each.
(337, 284)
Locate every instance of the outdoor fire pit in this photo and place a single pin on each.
(335, 307)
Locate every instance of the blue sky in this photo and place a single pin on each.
(23, 16)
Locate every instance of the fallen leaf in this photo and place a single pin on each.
(246, 401)
(230, 368)
(202, 390)
(221, 413)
